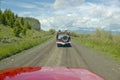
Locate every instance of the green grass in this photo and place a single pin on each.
(104, 44)
(10, 44)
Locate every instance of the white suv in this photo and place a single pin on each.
(63, 39)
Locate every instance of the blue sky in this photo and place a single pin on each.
(69, 14)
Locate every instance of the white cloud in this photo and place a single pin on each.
(20, 4)
(114, 2)
(25, 13)
(64, 3)
(86, 15)
(80, 14)
(27, 5)
(43, 4)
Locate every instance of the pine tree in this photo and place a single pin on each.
(17, 28)
(8, 18)
(24, 30)
(0, 16)
(28, 26)
(12, 19)
(5, 16)
(4, 19)
(16, 16)
(22, 21)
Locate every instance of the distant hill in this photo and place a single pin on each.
(8, 18)
(91, 30)
(35, 24)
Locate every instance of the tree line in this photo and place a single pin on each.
(18, 24)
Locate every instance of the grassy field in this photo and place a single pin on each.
(9, 44)
(102, 41)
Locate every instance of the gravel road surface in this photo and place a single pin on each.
(49, 54)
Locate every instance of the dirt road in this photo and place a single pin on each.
(49, 54)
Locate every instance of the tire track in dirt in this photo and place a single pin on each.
(50, 55)
(28, 58)
(41, 55)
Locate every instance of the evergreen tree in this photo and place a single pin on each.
(12, 19)
(0, 16)
(8, 18)
(5, 16)
(4, 19)
(28, 26)
(22, 21)
(16, 16)
(52, 31)
(17, 28)
(24, 30)
(24, 26)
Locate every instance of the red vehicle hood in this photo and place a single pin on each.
(48, 73)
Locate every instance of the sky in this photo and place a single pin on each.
(76, 15)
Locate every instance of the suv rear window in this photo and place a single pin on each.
(60, 36)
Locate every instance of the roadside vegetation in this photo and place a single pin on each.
(19, 33)
(100, 40)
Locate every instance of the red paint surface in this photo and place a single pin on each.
(59, 40)
(14, 71)
(48, 73)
